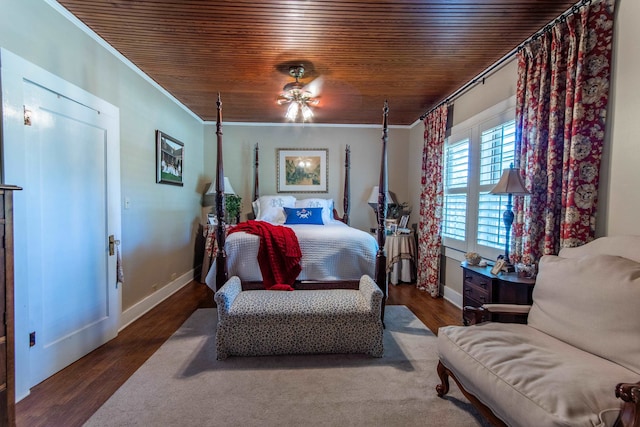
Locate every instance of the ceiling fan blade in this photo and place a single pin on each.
(283, 99)
(314, 86)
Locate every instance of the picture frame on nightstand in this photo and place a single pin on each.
(498, 267)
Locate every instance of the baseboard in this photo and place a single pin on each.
(453, 297)
(138, 310)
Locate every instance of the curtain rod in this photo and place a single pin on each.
(480, 77)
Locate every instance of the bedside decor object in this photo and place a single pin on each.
(510, 184)
(527, 271)
(232, 202)
(169, 159)
(302, 171)
(398, 210)
(473, 258)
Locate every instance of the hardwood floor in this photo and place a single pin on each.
(72, 395)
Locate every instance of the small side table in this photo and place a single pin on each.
(401, 258)
(482, 287)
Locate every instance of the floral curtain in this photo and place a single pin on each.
(562, 94)
(429, 239)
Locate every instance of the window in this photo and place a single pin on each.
(497, 147)
(475, 155)
(454, 212)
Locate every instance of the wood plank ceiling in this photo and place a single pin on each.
(413, 53)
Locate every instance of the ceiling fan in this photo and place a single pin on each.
(299, 97)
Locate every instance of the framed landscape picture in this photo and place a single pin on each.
(169, 159)
(302, 170)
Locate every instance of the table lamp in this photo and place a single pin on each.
(373, 200)
(510, 184)
(228, 189)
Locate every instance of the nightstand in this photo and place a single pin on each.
(401, 258)
(481, 287)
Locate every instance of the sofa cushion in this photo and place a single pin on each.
(591, 303)
(529, 378)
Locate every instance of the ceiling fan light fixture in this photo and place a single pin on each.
(307, 114)
(297, 97)
(292, 111)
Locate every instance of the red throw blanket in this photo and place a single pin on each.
(279, 253)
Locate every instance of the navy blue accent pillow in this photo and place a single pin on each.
(303, 216)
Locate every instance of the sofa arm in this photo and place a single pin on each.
(225, 296)
(483, 313)
(507, 308)
(372, 294)
(630, 409)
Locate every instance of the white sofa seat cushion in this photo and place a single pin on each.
(529, 378)
(590, 302)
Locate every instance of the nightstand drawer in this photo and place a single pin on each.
(478, 295)
(481, 283)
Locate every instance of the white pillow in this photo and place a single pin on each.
(325, 204)
(591, 303)
(269, 208)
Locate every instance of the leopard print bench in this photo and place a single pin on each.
(257, 323)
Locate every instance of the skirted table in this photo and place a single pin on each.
(401, 256)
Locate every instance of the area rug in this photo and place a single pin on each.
(183, 384)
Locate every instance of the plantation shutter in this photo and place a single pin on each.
(456, 178)
(497, 149)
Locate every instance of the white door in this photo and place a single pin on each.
(70, 207)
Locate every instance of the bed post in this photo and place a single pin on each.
(347, 184)
(256, 185)
(381, 257)
(221, 256)
(347, 189)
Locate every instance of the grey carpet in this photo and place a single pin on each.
(183, 384)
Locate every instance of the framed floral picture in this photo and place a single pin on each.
(169, 159)
(302, 170)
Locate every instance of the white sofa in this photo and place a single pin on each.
(579, 349)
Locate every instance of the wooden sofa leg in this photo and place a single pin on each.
(630, 410)
(443, 373)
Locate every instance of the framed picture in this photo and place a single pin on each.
(169, 159)
(302, 171)
(403, 221)
(497, 267)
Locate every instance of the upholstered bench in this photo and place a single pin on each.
(261, 322)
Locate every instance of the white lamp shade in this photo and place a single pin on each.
(373, 197)
(228, 189)
(510, 183)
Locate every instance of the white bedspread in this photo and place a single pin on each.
(329, 252)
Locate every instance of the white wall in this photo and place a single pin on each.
(158, 228)
(620, 194)
(365, 143)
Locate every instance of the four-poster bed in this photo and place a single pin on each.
(326, 264)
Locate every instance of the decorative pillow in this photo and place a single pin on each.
(269, 208)
(303, 216)
(325, 204)
(591, 303)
